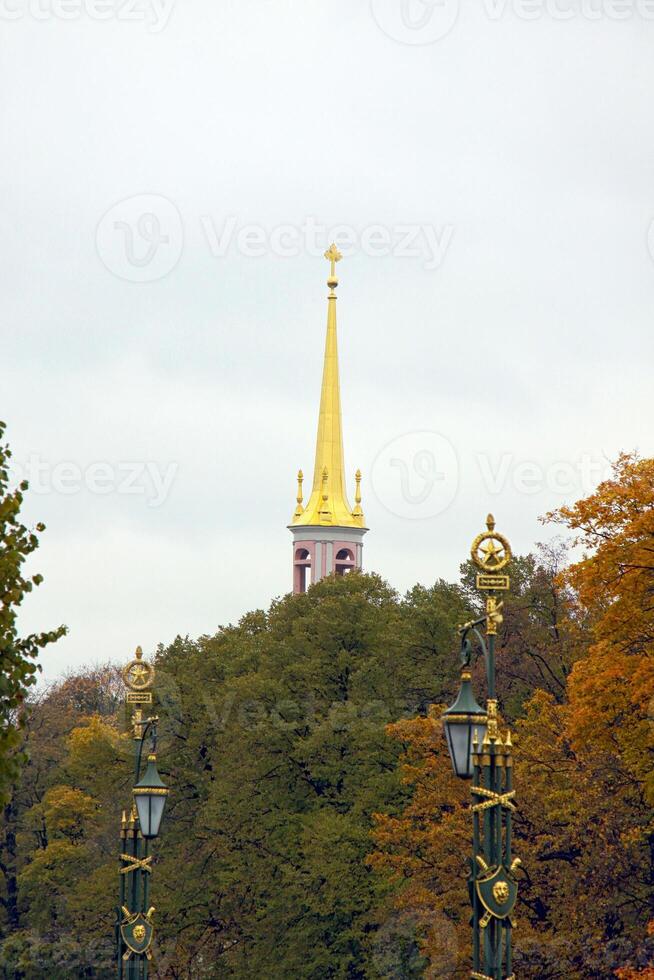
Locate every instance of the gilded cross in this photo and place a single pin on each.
(334, 256)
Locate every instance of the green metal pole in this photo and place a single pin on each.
(490, 928)
(499, 778)
(144, 905)
(119, 914)
(491, 665)
(499, 758)
(126, 969)
(488, 844)
(508, 855)
(133, 965)
(134, 896)
(138, 677)
(139, 959)
(495, 820)
(475, 871)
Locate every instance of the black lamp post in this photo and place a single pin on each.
(478, 753)
(134, 928)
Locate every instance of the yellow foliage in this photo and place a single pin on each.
(67, 811)
(93, 736)
(97, 754)
(51, 867)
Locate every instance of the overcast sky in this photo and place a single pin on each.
(171, 175)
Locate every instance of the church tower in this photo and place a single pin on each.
(328, 532)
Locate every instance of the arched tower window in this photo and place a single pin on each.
(344, 561)
(301, 569)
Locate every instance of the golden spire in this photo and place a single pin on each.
(328, 503)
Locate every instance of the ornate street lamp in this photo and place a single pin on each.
(150, 797)
(134, 928)
(464, 722)
(478, 752)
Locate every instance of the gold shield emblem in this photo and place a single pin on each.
(137, 933)
(497, 892)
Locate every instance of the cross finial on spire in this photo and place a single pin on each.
(333, 256)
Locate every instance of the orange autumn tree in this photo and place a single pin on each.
(584, 827)
(421, 848)
(611, 691)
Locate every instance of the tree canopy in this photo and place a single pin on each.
(314, 828)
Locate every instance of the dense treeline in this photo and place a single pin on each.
(273, 739)
(314, 829)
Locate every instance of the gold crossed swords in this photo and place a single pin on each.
(492, 798)
(129, 917)
(134, 863)
(485, 919)
(515, 864)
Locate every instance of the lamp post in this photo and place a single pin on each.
(478, 753)
(134, 928)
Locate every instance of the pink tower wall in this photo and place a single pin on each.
(321, 558)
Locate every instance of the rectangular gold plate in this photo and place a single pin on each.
(493, 581)
(139, 697)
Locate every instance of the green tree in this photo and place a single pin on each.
(17, 654)
(275, 743)
(58, 833)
